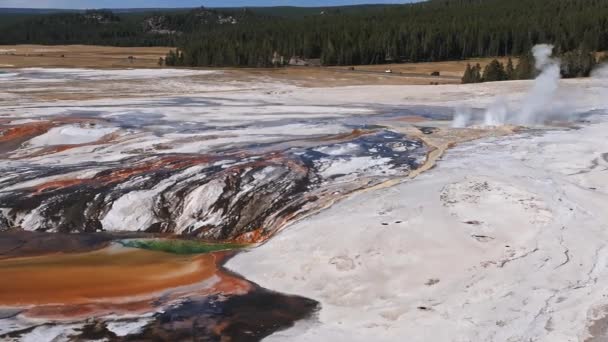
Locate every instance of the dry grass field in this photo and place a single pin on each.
(80, 56)
(449, 69)
(84, 56)
(401, 73)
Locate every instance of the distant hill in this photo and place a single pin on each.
(279, 11)
(41, 11)
(34, 11)
(299, 12)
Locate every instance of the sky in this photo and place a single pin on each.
(80, 4)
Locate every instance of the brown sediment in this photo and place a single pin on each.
(597, 324)
(443, 139)
(108, 138)
(130, 282)
(119, 175)
(114, 273)
(13, 136)
(347, 136)
(274, 158)
(25, 130)
(113, 176)
(254, 236)
(58, 184)
(222, 284)
(175, 162)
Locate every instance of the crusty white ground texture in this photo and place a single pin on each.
(506, 239)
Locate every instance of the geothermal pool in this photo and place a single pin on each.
(133, 287)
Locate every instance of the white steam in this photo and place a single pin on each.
(599, 78)
(537, 102)
(600, 73)
(496, 114)
(536, 106)
(462, 117)
(542, 55)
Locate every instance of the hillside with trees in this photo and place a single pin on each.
(431, 31)
(435, 30)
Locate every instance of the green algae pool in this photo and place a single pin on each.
(179, 246)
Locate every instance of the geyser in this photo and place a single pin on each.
(537, 105)
(535, 109)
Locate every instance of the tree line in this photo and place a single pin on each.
(577, 63)
(429, 31)
(434, 30)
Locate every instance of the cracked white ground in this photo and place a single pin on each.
(505, 240)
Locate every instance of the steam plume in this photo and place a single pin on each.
(462, 117)
(536, 106)
(537, 102)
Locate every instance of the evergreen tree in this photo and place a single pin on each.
(467, 77)
(171, 59)
(577, 63)
(494, 71)
(433, 30)
(525, 68)
(477, 74)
